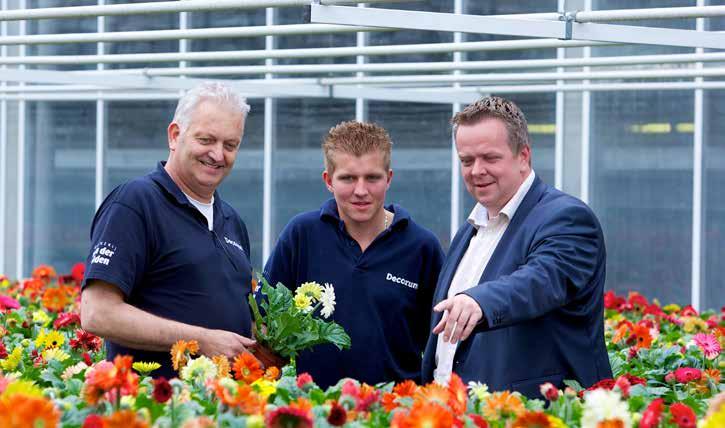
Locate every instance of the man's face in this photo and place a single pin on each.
(359, 185)
(491, 171)
(204, 154)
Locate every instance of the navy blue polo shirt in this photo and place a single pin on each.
(384, 295)
(148, 240)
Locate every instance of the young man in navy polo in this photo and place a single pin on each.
(169, 258)
(384, 266)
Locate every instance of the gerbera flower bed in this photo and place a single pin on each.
(667, 361)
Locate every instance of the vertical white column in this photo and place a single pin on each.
(559, 136)
(3, 145)
(100, 119)
(20, 233)
(586, 119)
(455, 166)
(361, 111)
(697, 184)
(267, 155)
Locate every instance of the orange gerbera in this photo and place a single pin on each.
(124, 419)
(433, 392)
(55, 299)
(247, 368)
(611, 423)
(532, 420)
(44, 273)
(388, 401)
(502, 404)
(458, 396)
(222, 366)
(32, 288)
(20, 410)
(405, 389)
(621, 332)
(641, 334)
(181, 351)
(429, 415)
(242, 398)
(272, 373)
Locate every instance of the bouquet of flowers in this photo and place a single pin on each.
(288, 323)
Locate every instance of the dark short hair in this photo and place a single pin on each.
(497, 108)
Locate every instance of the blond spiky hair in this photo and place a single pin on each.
(357, 139)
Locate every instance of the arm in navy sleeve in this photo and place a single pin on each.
(565, 256)
(432, 263)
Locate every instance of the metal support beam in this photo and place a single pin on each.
(569, 29)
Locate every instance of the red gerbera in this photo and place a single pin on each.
(688, 311)
(683, 415)
(93, 421)
(337, 416)
(86, 341)
(77, 272)
(612, 301)
(303, 379)
(653, 413)
(162, 390)
(65, 319)
(687, 374)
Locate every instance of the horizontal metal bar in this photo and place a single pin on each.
(191, 34)
(157, 7)
(413, 20)
(418, 66)
(648, 35)
(430, 95)
(650, 13)
(430, 48)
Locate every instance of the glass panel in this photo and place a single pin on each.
(151, 21)
(713, 237)
(420, 162)
(297, 162)
(61, 26)
(641, 187)
(59, 183)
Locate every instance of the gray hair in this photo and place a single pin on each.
(213, 91)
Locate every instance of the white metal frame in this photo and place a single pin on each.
(463, 82)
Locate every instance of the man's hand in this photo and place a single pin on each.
(221, 342)
(462, 313)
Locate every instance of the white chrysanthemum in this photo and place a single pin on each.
(478, 390)
(199, 369)
(601, 405)
(327, 298)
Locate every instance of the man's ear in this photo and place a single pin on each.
(172, 133)
(390, 178)
(327, 178)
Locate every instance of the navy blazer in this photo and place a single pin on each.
(542, 299)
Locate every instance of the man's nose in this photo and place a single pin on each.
(479, 168)
(215, 152)
(360, 187)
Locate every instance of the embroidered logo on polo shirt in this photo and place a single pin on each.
(102, 253)
(401, 281)
(236, 244)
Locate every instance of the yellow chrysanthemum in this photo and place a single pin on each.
(303, 302)
(694, 325)
(41, 317)
(255, 421)
(555, 422)
(4, 283)
(672, 308)
(11, 362)
(25, 387)
(55, 354)
(145, 367)
(40, 338)
(265, 387)
(311, 289)
(716, 420)
(54, 339)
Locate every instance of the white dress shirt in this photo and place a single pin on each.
(473, 263)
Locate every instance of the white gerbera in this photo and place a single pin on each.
(601, 405)
(327, 298)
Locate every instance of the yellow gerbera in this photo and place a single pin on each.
(54, 339)
(25, 387)
(55, 354)
(672, 308)
(145, 367)
(311, 289)
(11, 362)
(40, 339)
(303, 302)
(694, 325)
(265, 387)
(555, 422)
(716, 419)
(40, 317)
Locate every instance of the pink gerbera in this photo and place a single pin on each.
(709, 345)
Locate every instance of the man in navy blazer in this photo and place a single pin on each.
(519, 300)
